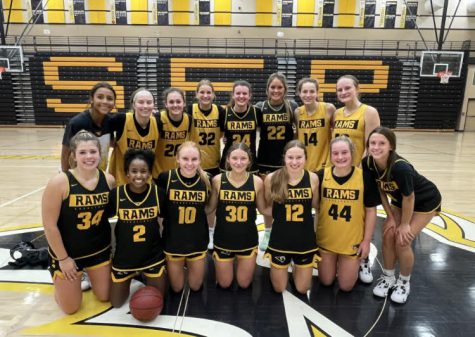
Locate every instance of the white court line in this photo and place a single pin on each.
(22, 196)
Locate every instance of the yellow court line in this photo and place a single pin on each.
(19, 227)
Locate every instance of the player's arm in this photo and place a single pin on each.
(372, 121)
(267, 189)
(56, 190)
(262, 206)
(110, 180)
(65, 153)
(315, 184)
(213, 199)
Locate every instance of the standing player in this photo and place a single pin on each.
(206, 132)
(313, 121)
(355, 120)
(293, 192)
(414, 202)
(240, 122)
(95, 120)
(185, 227)
(174, 126)
(76, 228)
(347, 216)
(134, 130)
(236, 194)
(276, 130)
(138, 248)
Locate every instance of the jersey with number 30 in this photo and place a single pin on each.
(84, 229)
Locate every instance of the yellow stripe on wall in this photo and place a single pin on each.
(223, 18)
(100, 15)
(305, 6)
(264, 13)
(346, 13)
(17, 15)
(181, 6)
(139, 14)
(55, 11)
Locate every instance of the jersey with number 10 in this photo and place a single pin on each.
(185, 224)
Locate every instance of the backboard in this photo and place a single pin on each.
(434, 62)
(11, 58)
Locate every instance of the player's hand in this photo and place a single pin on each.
(404, 234)
(69, 269)
(363, 249)
(389, 225)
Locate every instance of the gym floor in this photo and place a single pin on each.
(442, 300)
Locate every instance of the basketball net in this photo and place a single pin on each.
(444, 76)
(2, 70)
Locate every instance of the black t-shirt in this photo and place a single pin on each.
(83, 121)
(371, 196)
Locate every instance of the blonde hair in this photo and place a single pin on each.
(203, 175)
(344, 139)
(280, 179)
(81, 137)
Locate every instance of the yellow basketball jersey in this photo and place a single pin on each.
(341, 219)
(206, 132)
(314, 132)
(131, 138)
(352, 126)
(171, 137)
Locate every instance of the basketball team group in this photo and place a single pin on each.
(317, 176)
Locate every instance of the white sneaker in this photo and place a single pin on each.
(401, 291)
(211, 239)
(85, 282)
(265, 241)
(385, 283)
(365, 274)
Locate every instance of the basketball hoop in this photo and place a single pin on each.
(2, 70)
(444, 76)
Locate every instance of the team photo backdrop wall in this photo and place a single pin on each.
(58, 84)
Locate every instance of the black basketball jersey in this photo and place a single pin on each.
(185, 224)
(240, 128)
(293, 226)
(403, 179)
(276, 131)
(236, 215)
(137, 232)
(82, 223)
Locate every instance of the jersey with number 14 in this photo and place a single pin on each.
(314, 132)
(185, 224)
(84, 229)
(292, 229)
